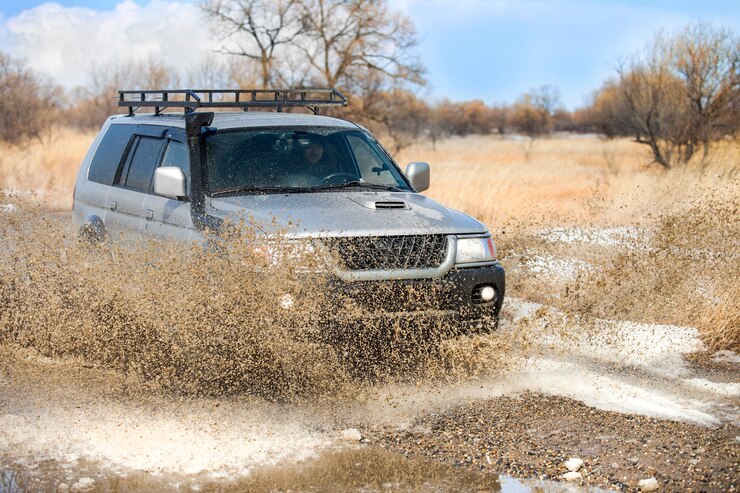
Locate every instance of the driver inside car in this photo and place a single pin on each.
(316, 163)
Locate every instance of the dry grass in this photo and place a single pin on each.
(496, 178)
(579, 180)
(720, 323)
(518, 188)
(47, 167)
(689, 216)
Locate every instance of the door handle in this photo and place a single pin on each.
(112, 205)
(149, 214)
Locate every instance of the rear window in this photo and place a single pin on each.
(108, 157)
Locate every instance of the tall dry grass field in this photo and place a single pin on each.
(568, 180)
(47, 167)
(685, 222)
(633, 242)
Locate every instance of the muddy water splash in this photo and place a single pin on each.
(236, 316)
(182, 360)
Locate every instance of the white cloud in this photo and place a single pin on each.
(65, 42)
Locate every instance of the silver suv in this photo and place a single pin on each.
(178, 175)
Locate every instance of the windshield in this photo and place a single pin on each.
(297, 159)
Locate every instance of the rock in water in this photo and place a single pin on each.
(573, 464)
(650, 484)
(572, 476)
(351, 435)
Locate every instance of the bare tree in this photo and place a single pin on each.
(98, 100)
(257, 30)
(655, 113)
(357, 46)
(546, 99)
(397, 114)
(677, 96)
(468, 117)
(707, 61)
(349, 38)
(533, 112)
(27, 101)
(499, 118)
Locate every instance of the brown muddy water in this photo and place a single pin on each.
(364, 469)
(140, 367)
(66, 425)
(166, 367)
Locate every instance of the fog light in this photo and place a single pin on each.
(487, 293)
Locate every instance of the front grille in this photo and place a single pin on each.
(389, 252)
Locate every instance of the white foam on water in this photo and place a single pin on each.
(187, 437)
(657, 347)
(726, 356)
(228, 437)
(609, 393)
(626, 367)
(730, 389)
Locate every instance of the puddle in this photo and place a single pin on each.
(10, 481)
(362, 469)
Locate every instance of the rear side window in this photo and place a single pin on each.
(108, 157)
(140, 167)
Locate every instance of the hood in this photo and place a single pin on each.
(346, 213)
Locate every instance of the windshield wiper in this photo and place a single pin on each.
(257, 190)
(357, 184)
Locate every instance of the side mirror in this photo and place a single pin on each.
(418, 175)
(169, 181)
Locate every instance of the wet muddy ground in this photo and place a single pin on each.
(498, 412)
(66, 423)
(533, 435)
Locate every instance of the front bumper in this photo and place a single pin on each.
(451, 296)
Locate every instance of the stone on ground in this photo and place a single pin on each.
(574, 464)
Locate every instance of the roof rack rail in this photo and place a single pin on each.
(191, 99)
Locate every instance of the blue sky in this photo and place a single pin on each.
(474, 49)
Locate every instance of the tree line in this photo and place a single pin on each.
(678, 96)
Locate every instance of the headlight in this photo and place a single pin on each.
(470, 250)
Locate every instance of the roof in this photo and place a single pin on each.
(239, 120)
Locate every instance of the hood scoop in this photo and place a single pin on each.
(390, 204)
(373, 201)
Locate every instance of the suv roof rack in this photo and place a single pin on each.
(191, 99)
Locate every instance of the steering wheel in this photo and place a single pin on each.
(332, 176)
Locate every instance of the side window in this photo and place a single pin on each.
(373, 168)
(176, 154)
(139, 169)
(108, 156)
